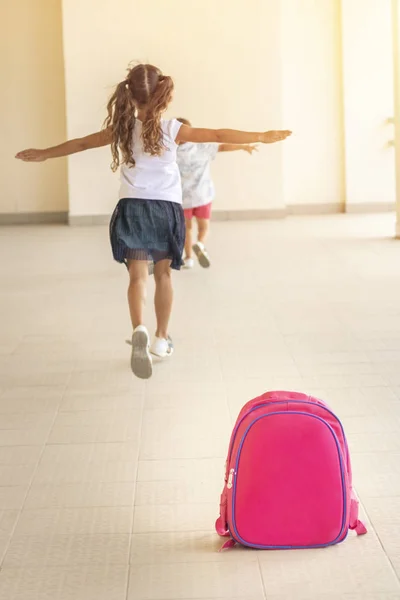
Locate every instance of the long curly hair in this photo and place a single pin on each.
(145, 87)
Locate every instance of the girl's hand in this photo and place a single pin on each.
(32, 155)
(250, 149)
(270, 137)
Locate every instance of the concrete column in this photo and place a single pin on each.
(396, 76)
(368, 104)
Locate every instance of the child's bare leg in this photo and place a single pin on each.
(189, 238)
(199, 248)
(141, 362)
(162, 345)
(203, 229)
(164, 296)
(137, 290)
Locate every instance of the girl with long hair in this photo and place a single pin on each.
(148, 222)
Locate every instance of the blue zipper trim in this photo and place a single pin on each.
(236, 535)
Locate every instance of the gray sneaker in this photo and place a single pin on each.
(202, 255)
(141, 361)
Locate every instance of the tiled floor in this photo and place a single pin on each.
(109, 487)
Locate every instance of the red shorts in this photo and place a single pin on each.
(200, 212)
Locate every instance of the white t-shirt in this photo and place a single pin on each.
(153, 177)
(194, 162)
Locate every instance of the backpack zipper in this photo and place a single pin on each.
(229, 484)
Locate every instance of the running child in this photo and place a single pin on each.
(194, 161)
(148, 221)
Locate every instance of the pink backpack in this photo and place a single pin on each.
(288, 480)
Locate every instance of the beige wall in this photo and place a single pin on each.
(225, 58)
(320, 67)
(312, 103)
(368, 102)
(32, 107)
(237, 63)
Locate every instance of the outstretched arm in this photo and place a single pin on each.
(95, 140)
(229, 136)
(250, 148)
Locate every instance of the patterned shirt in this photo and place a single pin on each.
(194, 162)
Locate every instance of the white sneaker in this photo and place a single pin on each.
(162, 347)
(141, 361)
(202, 255)
(189, 263)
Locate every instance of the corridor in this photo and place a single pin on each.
(109, 486)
